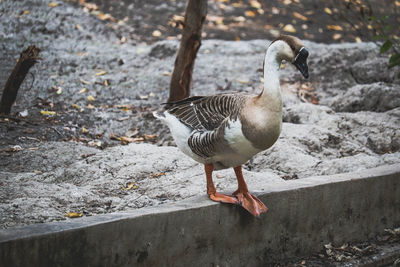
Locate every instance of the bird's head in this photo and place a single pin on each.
(292, 50)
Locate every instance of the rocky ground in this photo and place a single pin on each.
(102, 151)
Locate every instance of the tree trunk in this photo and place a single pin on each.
(27, 59)
(181, 80)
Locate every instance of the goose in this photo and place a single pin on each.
(226, 130)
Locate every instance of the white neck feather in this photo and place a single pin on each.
(272, 63)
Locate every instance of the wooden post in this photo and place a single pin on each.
(181, 80)
(27, 59)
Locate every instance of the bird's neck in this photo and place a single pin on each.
(271, 94)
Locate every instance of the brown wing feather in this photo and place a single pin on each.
(208, 112)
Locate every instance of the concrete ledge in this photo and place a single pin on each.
(303, 215)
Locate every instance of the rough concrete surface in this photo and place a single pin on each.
(304, 215)
(353, 125)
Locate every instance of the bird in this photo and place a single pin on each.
(226, 130)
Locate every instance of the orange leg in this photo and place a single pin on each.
(212, 193)
(251, 203)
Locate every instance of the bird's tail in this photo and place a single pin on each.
(159, 115)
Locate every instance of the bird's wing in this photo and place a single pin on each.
(208, 117)
(206, 113)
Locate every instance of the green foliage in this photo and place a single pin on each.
(380, 27)
(385, 32)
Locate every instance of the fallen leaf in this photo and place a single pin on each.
(59, 91)
(155, 175)
(90, 106)
(83, 90)
(75, 106)
(53, 4)
(255, 4)
(300, 16)
(328, 10)
(289, 28)
(46, 112)
(15, 148)
(334, 27)
(239, 19)
(90, 98)
(249, 13)
(94, 143)
(26, 12)
(83, 81)
(101, 73)
(149, 137)
(77, 26)
(123, 118)
(337, 36)
(237, 4)
(219, 175)
(275, 10)
(166, 73)
(73, 214)
(106, 17)
(23, 113)
(156, 33)
(130, 186)
(84, 156)
(242, 81)
(84, 130)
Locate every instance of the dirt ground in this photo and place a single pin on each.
(103, 76)
(106, 67)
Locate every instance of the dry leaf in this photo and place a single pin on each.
(242, 81)
(53, 4)
(73, 215)
(26, 12)
(83, 81)
(337, 36)
(156, 33)
(237, 4)
(106, 17)
(90, 106)
(130, 186)
(101, 73)
(219, 175)
(300, 16)
(83, 90)
(328, 10)
(59, 91)
(334, 27)
(255, 4)
(15, 148)
(249, 13)
(166, 73)
(239, 19)
(155, 175)
(76, 106)
(149, 137)
(358, 40)
(45, 112)
(289, 28)
(94, 143)
(84, 130)
(90, 98)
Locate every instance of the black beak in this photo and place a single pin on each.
(301, 62)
